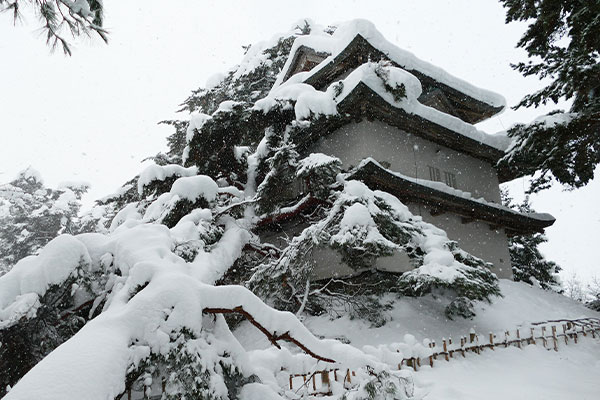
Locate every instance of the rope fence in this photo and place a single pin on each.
(548, 333)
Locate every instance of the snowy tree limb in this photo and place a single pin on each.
(273, 337)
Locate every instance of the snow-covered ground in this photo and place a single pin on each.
(530, 373)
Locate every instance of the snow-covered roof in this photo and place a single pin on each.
(445, 198)
(366, 91)
(358, 41)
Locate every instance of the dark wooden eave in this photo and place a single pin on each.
(514, 223)
(359, 51)
(304, 59)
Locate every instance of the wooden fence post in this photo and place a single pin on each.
(518, 338)
(325, 379)
(506, 334)
(545, 342)
(291, 382)
(532, 336)
(462, 346)
(472, 337)
(554, 338)
(445, 347)
(491, 341)
(450, 344)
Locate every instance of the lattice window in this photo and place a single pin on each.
(434, 174)
(450, 179)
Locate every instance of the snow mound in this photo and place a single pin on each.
(197, 121)
(194, 187)
(313, 161)
(30, 278)
(162, 172)
(356, 214)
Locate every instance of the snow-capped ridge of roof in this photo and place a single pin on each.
(346, 32)
(310, 102)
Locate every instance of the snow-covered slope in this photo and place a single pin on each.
(424, 318)
(529, 373)
(498, 374)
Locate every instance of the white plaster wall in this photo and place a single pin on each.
(328, 262)
(410, 155)
(474, 237)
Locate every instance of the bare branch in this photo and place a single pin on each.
(273, 337)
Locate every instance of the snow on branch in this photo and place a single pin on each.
(273, 338)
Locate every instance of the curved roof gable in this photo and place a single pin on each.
(440, 90)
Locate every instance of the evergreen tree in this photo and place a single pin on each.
(562, 41)
(34, 214)
(594, 291)
(79, 17)
(277, 187)
(363, 226)
(528, 263)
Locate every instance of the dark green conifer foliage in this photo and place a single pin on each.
(212, 149)
(35, 215)
(563, 43)
(280, 183)
(60, 18)
(185, 374)
(244, 89)
(527, 261)
(288, 281)
(318, 178)
(64, 309)
(175, 142)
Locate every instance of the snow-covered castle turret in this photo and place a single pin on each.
(405, 126)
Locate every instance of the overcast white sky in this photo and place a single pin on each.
(93, 116)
